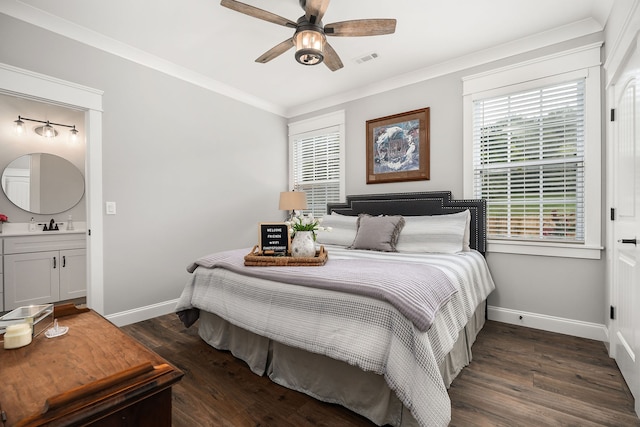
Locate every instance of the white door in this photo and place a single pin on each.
(626, 226)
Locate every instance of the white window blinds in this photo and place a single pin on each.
(528, 162)
(317, 168)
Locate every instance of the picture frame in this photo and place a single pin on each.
(398, 147)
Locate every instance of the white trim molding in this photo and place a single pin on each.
(576, 328)
(30, 85)
(564, 250)
(619, 48)
(140, 314)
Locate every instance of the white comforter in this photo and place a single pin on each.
(359, 330)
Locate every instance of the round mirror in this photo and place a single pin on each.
(43, 183)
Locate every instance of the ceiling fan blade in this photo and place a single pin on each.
(315, 9)
(276, 51)
(258, 13)
(331, 58)
(361, 27)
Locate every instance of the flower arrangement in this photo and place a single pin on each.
(3, 218)
(300, 222)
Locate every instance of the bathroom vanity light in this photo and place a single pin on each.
(73, 134)
(20, 128)
(47, 130)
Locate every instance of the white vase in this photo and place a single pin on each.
(303, 244)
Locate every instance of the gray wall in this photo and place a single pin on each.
(184, 165)
(561, 287)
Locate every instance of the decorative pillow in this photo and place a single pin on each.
(466, 241)
(435, 233)
(343, 230)
(378, 233)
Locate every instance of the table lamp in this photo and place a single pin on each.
(293, 201)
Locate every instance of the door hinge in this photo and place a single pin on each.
(613, 214)
(612, 312)
(613, 114)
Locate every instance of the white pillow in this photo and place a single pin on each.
(344, 229)
(435, 233)
(466, 244)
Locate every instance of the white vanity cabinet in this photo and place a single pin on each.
(1, 280)
(44, 269)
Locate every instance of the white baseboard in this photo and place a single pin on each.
(577, 328)
(560, 325)
(142, 313)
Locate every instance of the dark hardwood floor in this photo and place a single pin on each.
(518, 377)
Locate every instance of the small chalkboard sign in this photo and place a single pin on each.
(274, 238)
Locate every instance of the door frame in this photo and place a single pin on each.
(39, 87)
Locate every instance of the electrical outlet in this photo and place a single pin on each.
(110, 208)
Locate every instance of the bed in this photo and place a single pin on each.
(390, 361)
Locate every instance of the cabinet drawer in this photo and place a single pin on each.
(43, 242)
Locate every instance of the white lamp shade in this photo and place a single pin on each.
(293, 200)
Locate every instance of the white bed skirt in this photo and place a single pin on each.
(330, 380)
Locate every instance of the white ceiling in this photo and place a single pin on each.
(207, 44)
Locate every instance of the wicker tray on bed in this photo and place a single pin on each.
(257, 259)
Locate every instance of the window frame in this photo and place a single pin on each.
(315, 126)
(583, 62)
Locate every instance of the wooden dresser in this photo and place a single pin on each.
(94, 375)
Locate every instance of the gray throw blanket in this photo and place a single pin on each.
(415, 290)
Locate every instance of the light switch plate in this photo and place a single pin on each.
(110, 208)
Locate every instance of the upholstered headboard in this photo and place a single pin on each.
(414, 204)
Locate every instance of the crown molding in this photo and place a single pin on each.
(55, 24)
(37, 17)
(623, 43)
(557, 35)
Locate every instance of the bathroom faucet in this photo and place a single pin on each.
(52, 226)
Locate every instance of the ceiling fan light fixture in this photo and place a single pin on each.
(309, 38)
(309, 46)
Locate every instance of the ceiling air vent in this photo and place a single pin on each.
(366, 58)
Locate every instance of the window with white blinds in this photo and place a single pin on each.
(528, 162)
(316, 165)
(317, 162)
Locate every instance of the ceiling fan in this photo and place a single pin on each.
(309, 38)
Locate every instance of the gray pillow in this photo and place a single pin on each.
(378, 233)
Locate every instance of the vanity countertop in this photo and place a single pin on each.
(14, 229)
